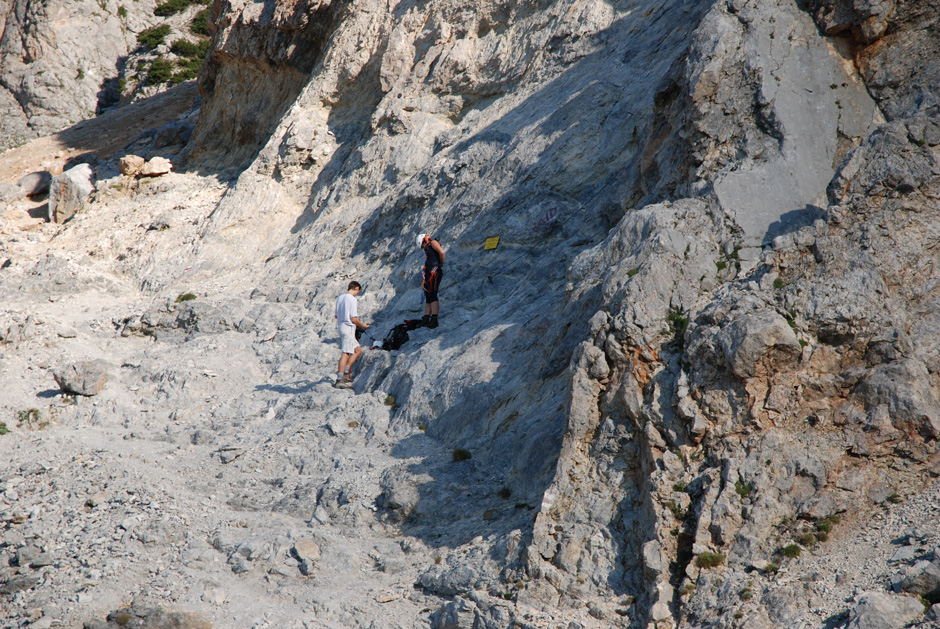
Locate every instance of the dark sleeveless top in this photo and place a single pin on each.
(433, 259)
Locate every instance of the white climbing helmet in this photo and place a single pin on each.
(421, 238)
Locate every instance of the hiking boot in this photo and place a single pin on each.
(433, 323)
(342, 384)
(347, 379)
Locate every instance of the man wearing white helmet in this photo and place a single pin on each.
(431, 277)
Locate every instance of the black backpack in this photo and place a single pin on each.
(396, 337)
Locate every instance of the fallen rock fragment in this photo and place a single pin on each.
(25, 555)
(20, 583)
(156, 166)
(149, 618)
(131, 165)
(307, 553)
(82, 378)
(42, 560)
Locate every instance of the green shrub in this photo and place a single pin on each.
(160, 72)
(772, 568)
(185, 297)
(200, 23)
(678, 322)
(182, 76)
(188, 70)
(709, 560)
(121, 84)
(779, 283)
(171, 7)
(389, 400)
(722, 265)
(122, 12)
(741, 489)
(895, 499)
(679, 487)
(193, 52)
(460, 454)
(792, 551)
(184, 48)
(154, 36)
(632, 272)
(3, 428)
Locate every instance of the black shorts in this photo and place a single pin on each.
(430, 282)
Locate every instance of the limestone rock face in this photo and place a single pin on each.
(698, 371)
(62, 62)
(54, 60)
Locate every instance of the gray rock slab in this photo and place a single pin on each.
(880, 610)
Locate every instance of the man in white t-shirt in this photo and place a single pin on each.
(347, 320)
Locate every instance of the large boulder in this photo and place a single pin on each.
(35, 183)
(82, 378)
(69, 192)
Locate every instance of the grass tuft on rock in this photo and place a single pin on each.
(792, 551)
(709, 560)
(185, 297)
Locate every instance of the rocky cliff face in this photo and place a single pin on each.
(702, 348)
(64, 62)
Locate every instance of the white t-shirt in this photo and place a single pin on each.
(346, 309)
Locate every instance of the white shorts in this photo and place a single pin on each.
(347, 339)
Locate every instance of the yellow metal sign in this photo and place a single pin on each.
(491, 243)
